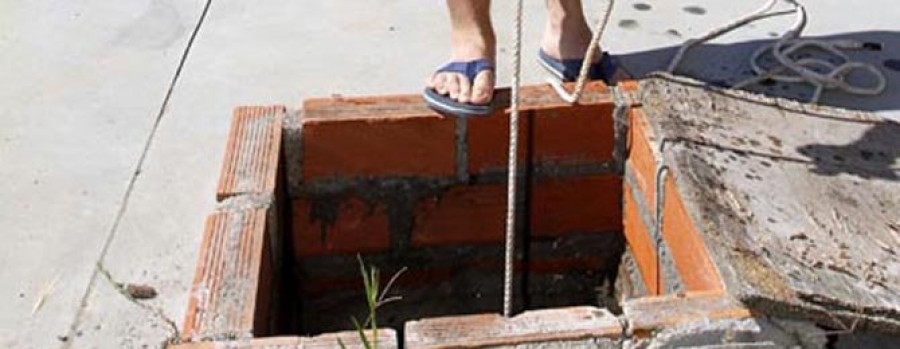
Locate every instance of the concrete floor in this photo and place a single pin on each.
(115, 114)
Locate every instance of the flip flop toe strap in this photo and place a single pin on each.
(470, 69)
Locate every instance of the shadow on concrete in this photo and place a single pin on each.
(871, 156)
(727, 64)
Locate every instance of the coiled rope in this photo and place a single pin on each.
(791, 69)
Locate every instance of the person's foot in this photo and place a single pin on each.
(566, 33)
(468, 46)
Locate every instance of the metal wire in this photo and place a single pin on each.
(660, 196)
(508, 267)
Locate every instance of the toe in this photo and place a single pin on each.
(453, 86)
(440, 84)
(483, 88)
(465, 90)
(431, 81)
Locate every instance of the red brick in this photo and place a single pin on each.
(462, 215)
(250, 162)
(388, 106)
(364, 146)
(567, 135)
(387, 338)
(648, 314)
(543, 96)
(357, 227)
(689, 252)
(225, 296)
(476, 214)
(629, 85)
(642, 249)
(400, 135)
(383, 106)
(579, 204)
(576, 326)
(414, 278)
(641, 157)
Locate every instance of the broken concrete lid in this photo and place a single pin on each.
(799, 205)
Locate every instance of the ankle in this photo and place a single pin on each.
(566, 43)
(473, 44)
(568, 28)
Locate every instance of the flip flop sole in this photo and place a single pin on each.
(556, 69)
(447, 105)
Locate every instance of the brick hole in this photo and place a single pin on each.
(412, 208)
(388, 180)
(450, 237)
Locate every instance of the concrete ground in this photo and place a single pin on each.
(115, 114)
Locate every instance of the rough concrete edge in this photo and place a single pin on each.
(842, 320)
(629, 282)
(749, 332)
(778, 102)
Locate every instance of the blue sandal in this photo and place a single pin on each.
(446, 104)
(567, 69)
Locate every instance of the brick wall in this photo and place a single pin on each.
(367, 172)
(391, 179)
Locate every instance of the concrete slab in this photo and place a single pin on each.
(84, 81)
(796, 205)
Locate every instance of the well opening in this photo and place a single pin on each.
(305, 196)
(453, 279)
(389, 181)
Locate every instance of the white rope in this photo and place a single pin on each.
(557, 84)
(797, 70)
(762, 12)
(508, 267)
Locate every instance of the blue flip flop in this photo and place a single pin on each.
(446, 104)
(567, 69)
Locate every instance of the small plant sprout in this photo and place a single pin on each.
(375, 298)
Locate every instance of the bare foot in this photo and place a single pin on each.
(457, 85)
(472, 39)
(566, 33)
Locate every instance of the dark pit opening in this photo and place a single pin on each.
(325, 288)
(457, 280)
(445, 224)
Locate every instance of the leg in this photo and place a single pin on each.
(566, 33)
(472, 38)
